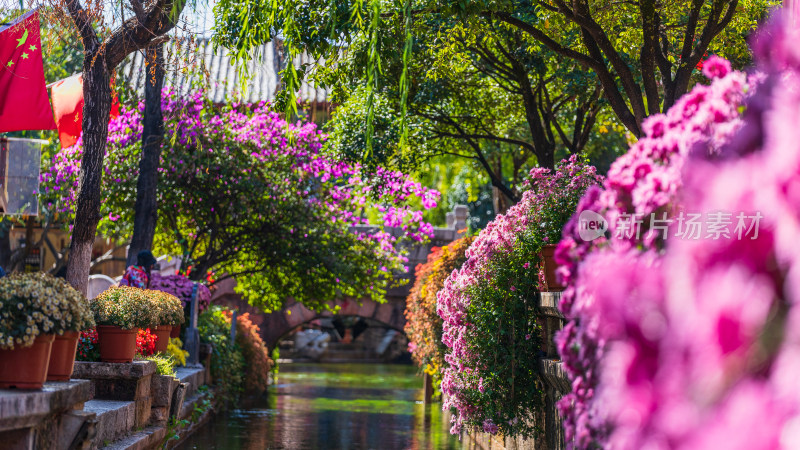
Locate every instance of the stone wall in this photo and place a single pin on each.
(121, 406)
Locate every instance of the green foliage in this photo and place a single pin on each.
(243, 192)
(227, 361)
(165, 363)
(507, 340)
(410, 65)
(276, 354)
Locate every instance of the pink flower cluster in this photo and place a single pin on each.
(548, 191)
(181, 287)
(695, 344)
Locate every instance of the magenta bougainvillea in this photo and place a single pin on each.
(242, 191)
(686, 336)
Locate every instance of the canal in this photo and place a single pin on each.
(333, 406)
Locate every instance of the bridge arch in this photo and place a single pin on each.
(276, 325)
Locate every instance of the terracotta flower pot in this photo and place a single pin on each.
(116, 345)
(550, 266)
(26, 368)
(176, 331)
(163, 332)
(62, 357)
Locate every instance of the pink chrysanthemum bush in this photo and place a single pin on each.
(243, 191)
(689, 338)
(489, 308)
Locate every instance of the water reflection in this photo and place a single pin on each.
(333, 406)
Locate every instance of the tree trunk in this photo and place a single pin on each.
(146, 210)
(96, 108)
(5, 243)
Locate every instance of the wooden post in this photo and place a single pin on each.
(192, 344)
(233, 326)
(427, 388)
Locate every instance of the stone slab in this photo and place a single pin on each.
(25, 408)
(114, 419)
(117, 381)
(195, 377)
(161, 389)
(101, 370)
(188, 405)
(147, 438)
(159, 414)
(143, 408)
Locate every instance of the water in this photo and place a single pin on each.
(333, 406)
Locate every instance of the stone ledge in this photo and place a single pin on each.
(114, 419)
(118, 381)
(25, 408)
(195, 377)
(147, 438)
(102, 370)
(161, 389)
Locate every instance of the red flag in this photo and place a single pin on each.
(68, 108)
(23, 96)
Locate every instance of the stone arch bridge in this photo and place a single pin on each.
(276, 325)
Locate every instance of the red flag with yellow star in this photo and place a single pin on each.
(24, 103)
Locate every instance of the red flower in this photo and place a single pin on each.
(146, 342)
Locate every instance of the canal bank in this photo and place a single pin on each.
(347, 406)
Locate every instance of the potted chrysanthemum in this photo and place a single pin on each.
(119, 312)
(556, 195)
(168, 312)
(37, 309)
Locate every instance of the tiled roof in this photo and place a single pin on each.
(196, 62)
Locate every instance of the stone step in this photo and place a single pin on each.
(195, 377)
(147, 438)
(347, 354)
(115, 418)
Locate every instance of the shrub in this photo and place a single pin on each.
(489, 308)
(125, 307)
(423, 324)
(227, 362)
(255, 353)
(36, 303)
(166, 307)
